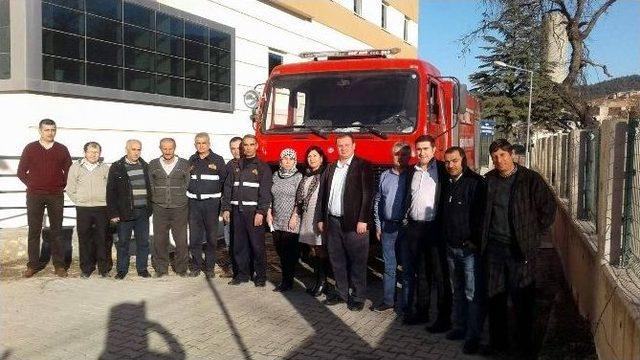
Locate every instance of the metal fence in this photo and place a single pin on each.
(631, 212)
(581, 163)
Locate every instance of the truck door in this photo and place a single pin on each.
(436, 126)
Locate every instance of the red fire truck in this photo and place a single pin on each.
(378, 99)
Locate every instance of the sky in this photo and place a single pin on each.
(615, 41)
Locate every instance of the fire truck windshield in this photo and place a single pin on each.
(375, 102)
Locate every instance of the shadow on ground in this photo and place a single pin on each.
(128, 335)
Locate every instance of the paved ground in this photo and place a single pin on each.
(185, 318)
(175, 318)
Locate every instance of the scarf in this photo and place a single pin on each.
(282, 172)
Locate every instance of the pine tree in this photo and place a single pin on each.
(516, 39)
(506, 20)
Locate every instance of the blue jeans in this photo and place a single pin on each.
(391, 234)
(140, 227)
(466, 281)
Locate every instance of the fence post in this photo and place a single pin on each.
(573, 175)
(630, 174)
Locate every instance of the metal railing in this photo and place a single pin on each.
(23, 191)
(574, 167)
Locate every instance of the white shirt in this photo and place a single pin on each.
(168, 166)
(89, 166)
(337, 187)
(424, 186)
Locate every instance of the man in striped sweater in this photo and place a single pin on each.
(129, 206)
(43, 169)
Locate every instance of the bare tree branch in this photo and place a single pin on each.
(588, 61)
(594, 19)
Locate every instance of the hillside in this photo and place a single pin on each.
(621, 84)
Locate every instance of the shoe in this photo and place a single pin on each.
(61, 272)
(209, 274)
(120, 275)
(455, 334)
(355, 305)
(29, 272)
(283, 287)
(260, 283)
(160, 274)
(409, 319)
(318, 289)
(439, 326)
(471, 346)
(236, 282)
(144, 274)
(194, 273)
(85, 275)
(381, 307)
(105, 274)
(333, 300)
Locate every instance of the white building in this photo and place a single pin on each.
(109, 71)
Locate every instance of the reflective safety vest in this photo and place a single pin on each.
(248, 185)
(207, 176)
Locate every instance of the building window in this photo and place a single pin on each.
(5, 41)
(357, 7)
(405, 35)
(274, 60)
(383, 20)
(122, 45)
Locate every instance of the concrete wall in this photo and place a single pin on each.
(606, 294)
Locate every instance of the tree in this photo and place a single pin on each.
(515, 39)
(581, 16)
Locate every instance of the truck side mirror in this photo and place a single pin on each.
(251, 99)
(460, 99)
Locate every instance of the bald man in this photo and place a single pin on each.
(129, 207)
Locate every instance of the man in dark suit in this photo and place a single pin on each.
(423, 251)
(346, 195)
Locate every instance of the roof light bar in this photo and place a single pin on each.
(349, 53)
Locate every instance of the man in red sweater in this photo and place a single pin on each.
(43, 169)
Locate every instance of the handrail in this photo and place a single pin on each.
(8, 157)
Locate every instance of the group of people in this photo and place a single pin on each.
(184, 196)
(472, 239)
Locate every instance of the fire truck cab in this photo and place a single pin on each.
(377, 99)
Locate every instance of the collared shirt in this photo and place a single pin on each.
(424, 193)
(337, 187)
(89, 166)
(168, 166)
(453, 180)
(387, 205)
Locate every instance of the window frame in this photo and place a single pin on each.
(28, 76)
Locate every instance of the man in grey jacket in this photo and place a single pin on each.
(169, 177)
(87, 188)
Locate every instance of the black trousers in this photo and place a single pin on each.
(348, 252)
(35, 213)
(286, 244)
(248, 244)
(203, 226)
(518, 284)
(425, 255)
(174, 220)
(91, 225)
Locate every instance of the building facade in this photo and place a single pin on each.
(112, 70)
